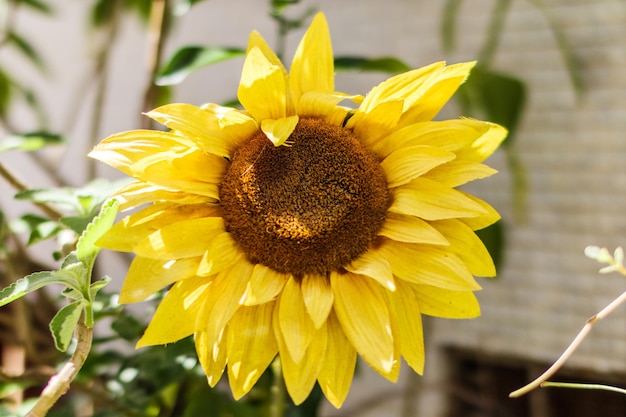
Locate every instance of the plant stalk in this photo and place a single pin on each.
(59, 383)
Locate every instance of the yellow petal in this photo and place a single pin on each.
(374, 266)
(312, 68)
(146, 276)
(138, 193)
(255, 40)
(467, 246)
(435, 93)
(183, 239)
(251, 346)
(262, 89)
(198, 124)
(432, 201)
(339, 364)
(211, 354)
(377, 123)
(221, 302)
(193, 172)
(129, 232)
(408, 163)
(324, 105)
(122, 150)
(406, 86)
(278, 131)
(318, 298)
(442, 302)
(459, 172)
(295, 324)
(406, 315)
(264, 285)
(175, 318)
(486, 145)
(437, 266)
(222, 253)
(410, 229)
(450, 135)
(480, 222)
(300, 377)
(362, 310)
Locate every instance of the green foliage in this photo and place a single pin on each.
(389, 65)
(37, 5)
(63, 324)
(191, 58)
(84, 202)
(500, 97)
(26, 48)
(30, 141)
(494, 239)
(75, 275)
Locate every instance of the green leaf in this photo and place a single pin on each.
(86, 249)
(25, 47)
(6, 85)
(98, 285)
(28, 284)
(191, 58)
(38, 5)
(181, 7)
(500, 96)
(493, 238)
(448, 24)
(85, 201)
(64, 323)
(387, 65)
(567, 52)
(30, 141)
(38, 228)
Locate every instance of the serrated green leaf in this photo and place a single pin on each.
(64, 323)
(387, 65)
(28, 284)
(86, 249)
(191, 58)
(30, 141)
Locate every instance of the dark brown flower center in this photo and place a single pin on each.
(312, 206)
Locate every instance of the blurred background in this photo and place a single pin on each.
(553, 71)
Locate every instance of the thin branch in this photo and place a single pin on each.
(156, 41)
(101, 77)
(9, 177)
(571, 348)
(59, 384)
(574, 385)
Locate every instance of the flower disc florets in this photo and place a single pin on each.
(312, 206)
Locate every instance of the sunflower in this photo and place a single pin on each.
(301, 228)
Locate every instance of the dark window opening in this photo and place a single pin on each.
(479, 386)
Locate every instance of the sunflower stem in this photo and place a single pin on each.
(278, 392)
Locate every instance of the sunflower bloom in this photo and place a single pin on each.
(303, 229)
